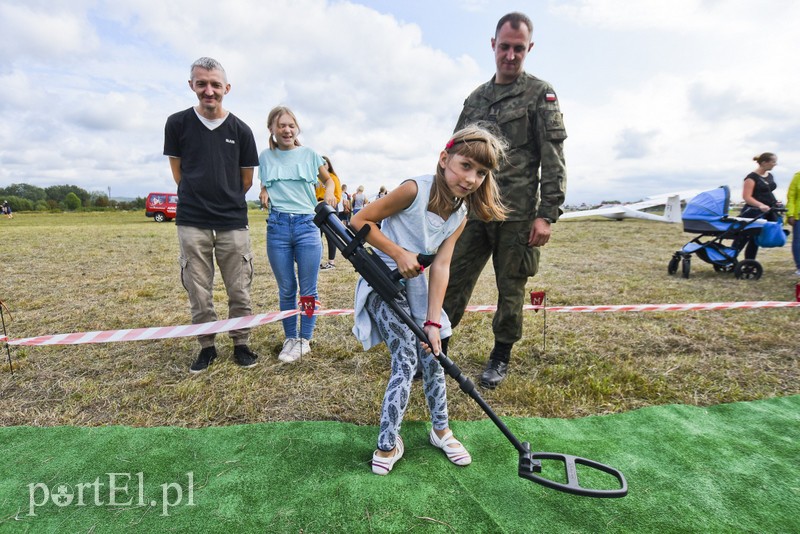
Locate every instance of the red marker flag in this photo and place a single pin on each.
(307, 305)
(537, 298)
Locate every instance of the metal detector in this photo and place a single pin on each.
(387, 284)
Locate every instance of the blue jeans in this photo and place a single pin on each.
(796, 243)
(294, 239)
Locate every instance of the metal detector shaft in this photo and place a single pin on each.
(387, 284)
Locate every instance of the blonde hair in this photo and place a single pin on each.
(488, 150)
(274, 115)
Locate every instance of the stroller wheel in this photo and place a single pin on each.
(686, 266)
(672, 268)
(748, 270)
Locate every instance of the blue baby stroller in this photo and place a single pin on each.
(707, 214)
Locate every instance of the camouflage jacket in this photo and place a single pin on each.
(530, 120)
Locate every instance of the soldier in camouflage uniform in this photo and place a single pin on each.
(525, 111)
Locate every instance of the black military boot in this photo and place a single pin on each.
(497, 366)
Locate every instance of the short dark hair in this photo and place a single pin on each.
(515, 18)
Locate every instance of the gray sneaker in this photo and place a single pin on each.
(290, 351)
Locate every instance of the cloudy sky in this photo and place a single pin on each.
(657, 96)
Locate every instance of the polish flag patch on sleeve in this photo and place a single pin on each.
(550, 97)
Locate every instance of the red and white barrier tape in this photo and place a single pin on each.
(250, 321)
(665, 307)
(164, 332)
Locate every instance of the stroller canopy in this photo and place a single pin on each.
(704, 213)
(708, 205)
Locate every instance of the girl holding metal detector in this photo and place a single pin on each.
(423, 216)
(288, 174)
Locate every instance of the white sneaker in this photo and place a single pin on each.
(305, 346)
(288, 351)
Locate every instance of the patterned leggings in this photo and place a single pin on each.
(405, 348)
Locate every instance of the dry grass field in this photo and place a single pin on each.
(96, 271)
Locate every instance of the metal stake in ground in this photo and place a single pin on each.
(539, 298)
(5, 334)
(386, 283)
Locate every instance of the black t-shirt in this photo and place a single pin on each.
(210, 194)
(762, 191)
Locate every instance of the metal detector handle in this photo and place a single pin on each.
(529, 464)
(424, 260)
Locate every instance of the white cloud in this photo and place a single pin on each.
(366, 89)
(707, 82)
(44, 32)
(694, 89)
(684, 16)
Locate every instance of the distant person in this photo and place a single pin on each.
(382, 192)
(759, 199)
(359, 200)
(212, 154)
(7, 210)
(345, 208)
(288, 174)
(424, 215)
(320, 192)
(525, 110)
(793, 218)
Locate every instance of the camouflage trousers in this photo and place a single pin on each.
(405, 349)
(513, 260)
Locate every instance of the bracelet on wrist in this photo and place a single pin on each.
(431, 323)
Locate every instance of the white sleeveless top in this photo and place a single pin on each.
(421, 232)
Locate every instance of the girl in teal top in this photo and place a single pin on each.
(289, 173)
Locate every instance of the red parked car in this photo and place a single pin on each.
(161, 206)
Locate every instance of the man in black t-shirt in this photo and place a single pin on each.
(212, 154)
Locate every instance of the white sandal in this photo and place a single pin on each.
(453, 448)
(381, 465)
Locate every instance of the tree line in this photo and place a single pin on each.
(26, 197)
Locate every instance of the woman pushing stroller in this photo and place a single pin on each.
(758, 196)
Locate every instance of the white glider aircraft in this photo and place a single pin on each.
(670, 201)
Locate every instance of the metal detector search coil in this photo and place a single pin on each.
(386, 283)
